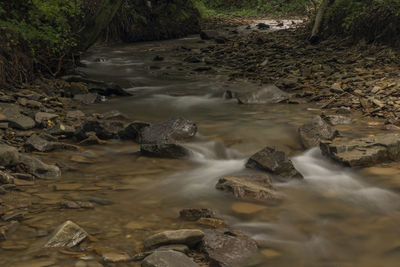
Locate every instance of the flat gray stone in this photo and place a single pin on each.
(41, 117)
(168, 259)
(15, 119)
(226, 248)
(364, 152)
(250, 187)
(189, 237)
(68, 234)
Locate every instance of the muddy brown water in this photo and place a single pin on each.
(336, 217)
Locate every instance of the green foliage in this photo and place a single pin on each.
(210, 8)
(41, 25)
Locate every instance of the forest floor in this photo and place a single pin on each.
(336, 73)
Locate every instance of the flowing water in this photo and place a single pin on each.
(336, 217)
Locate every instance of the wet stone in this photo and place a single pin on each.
(115, 257)
(168, 259)
(251, 187)
(173, 151)
(75, 114)
(337, 119)
(266, 95)
(274, 161)
(168, 132)
(88, 99)
(16, 119)
(364, 152)
(40, 169)
(316, 130)
(228, 248)
(179, 248)
(68, 234)
(133, 130)
(6, 178)
(189, 237)
(192, 214)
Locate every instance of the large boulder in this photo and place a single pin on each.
(168, 258)
(275, 162)
(226, 248)
(316, 130)
(266, 95)
(173, 151)
(9, 156)
(168, 132)
(68, 234)
(250, 187)
(189, 237)
(364, 152)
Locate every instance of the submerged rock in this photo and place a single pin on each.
(195, 214)
(38, 168)
(364, 152)
(189, 237)
(164, 151)
(104, 130)
(250, 187)
(316, 130)
(68, 235)
(228, 248)
(267, 95)
(168, 259)
(168, 132)
(337, 119)
(274, 161)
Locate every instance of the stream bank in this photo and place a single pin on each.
(335, 216)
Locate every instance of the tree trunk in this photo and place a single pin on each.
(315, 34)
(98, 22)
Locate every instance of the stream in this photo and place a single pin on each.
(335, 217)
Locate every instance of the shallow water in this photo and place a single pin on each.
(336, 217)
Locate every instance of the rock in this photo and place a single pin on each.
(195, 214)
(108, 89)
(15, 119)
(104, 130)
(273, 161)
(364, 152)
(168, 259)
(114, 115)
(192, 59)
(43, 117)
(168, 132)
(68, 235)
(189, 237)
(88, 99)
(251, 187)
(133, 131)
(6, 178)
(263, 26)
(337, 119)
(247, 208)
(115, 257)
(313, 132)
(9, 156)
(75, 114)
(336, 88)
(179, 248)
(208, 34)
(201, 69)
(228, 248)
(75, 88)
(39, 144)
(38, 168)
(91, 140)
(158, 58)
(266, 95)
(173, 151)
(61, 130)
